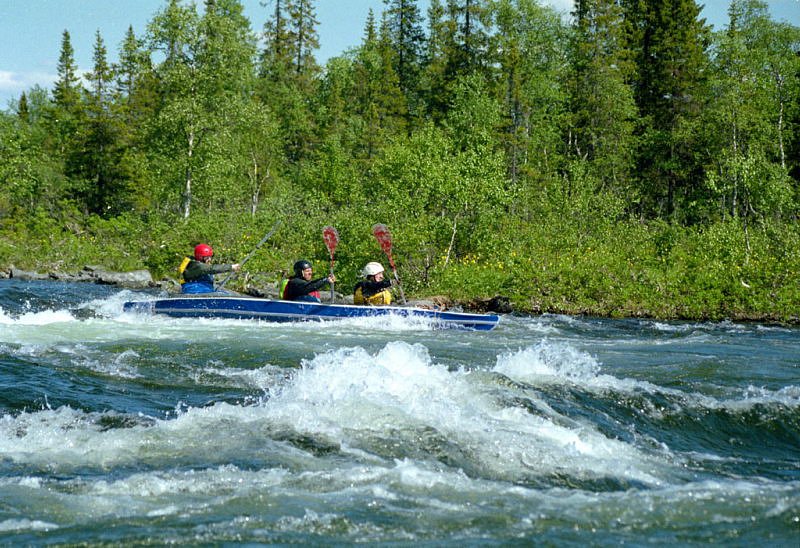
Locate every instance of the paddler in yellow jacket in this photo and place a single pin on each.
(373, 290)
(197, 275)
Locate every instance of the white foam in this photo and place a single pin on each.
(119, 366)
(24, 524)
(44, 317)
(752, 396)
(264, 378)
(683, 327)
(555, 363)
(548, 362)
(345, 397)
(347, 391)
(163, 483)
(111, 306)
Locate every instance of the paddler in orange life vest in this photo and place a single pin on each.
(301, 287)
(373, 290)
(197, 275)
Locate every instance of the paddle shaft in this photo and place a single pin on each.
(331, 238)
(250, 256)
(397, 279)
(333, 296)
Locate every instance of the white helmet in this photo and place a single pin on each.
(372, 268)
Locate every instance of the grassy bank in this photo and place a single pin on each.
(616, 269)
(639, 270)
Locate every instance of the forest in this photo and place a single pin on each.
(627, 161)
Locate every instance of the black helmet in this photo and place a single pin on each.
(301, 265)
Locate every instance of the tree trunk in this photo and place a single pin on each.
(452, 241)
(779, 81)
(255, 186)
(187, 190)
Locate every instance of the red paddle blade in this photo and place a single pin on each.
(384, 237)
(331, 238)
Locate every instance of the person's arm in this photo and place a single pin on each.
(319, 283)
(383, 284)
(219, 268)
(371, 287)
(197, 269)
(297, 287)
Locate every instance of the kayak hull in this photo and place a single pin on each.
(234, 307)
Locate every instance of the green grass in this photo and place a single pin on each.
(614, 269)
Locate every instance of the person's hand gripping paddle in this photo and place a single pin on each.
(384, 237)
(331, 238)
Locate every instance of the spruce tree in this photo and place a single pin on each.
(670, 91)
(381, 104)
(530, 50)
(407, 38)
(470, 20)
(602, 99)
(128, 69)
(67, 88)
(135, 84)
(459, 45)
(439, 45)
(22, 109)
(95, 162)
(67, 108)
(100, 76)
(275, 59)
(304, 39)
(289, 73)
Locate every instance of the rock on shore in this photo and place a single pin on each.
(135, 279)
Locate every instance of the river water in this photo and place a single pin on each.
(128, 429)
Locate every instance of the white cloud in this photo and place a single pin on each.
(12, 84)
(8, 80)
(565, 6)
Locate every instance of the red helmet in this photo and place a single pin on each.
(202, 250)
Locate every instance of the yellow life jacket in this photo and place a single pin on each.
(282, 287)
(378, 299)
(182, 269)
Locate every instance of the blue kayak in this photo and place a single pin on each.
(237, 307)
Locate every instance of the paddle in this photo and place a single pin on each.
(331, 238)
(264, 239)
(384, 237)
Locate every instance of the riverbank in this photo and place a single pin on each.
(257, 287)
(560, 265)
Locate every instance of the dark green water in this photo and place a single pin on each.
(125, 429)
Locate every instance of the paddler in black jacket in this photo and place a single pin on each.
(301, 287)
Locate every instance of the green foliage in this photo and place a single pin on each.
(746, 126)
(617, 166)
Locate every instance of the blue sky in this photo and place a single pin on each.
(30, 30)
